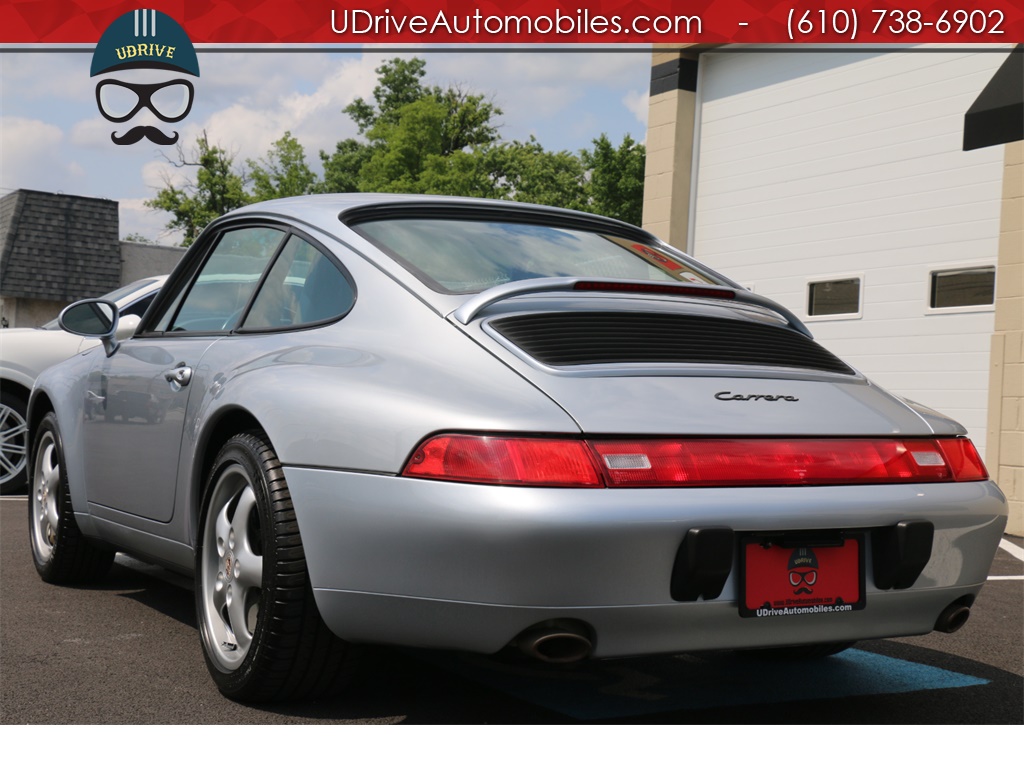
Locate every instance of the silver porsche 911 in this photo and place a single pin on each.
(475, 425)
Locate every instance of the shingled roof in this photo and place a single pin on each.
(58, 247)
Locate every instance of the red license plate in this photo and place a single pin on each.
(791, 578)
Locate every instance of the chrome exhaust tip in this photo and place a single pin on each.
(556, 642)
(952, 618)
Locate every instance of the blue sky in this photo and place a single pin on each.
(53, 138)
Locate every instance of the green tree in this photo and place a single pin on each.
(399, 82)
(527, 173)
(217, 189)
(343, 166)
(420, 139)
(616, 178)
(467, 120)
(284, 172)
(415, 139)
(401, 148)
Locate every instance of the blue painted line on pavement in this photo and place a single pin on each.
(637, 687)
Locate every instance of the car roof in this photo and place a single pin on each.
(343, 202)
(326, 211)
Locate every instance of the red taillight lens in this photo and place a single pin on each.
(505, 461)
(696, 462)
(963, 459)
(766, 462)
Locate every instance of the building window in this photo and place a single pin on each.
(962, 287)
(834, 297)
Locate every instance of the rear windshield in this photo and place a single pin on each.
(454, 256)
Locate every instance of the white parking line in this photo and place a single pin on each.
(1012, 548)
(1014, 551)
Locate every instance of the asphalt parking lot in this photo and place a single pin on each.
(126, 652)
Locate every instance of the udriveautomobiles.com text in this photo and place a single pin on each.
(583, 22)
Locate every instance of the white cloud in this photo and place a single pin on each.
(93, 133)
(29, 160)
(637, 103)
(249, 125)
(156, 175)
(49, 79)
(568, 69)
(136, 218)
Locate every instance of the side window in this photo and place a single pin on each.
(962, 288)
(834, 297)
(304, 286)
(222, 290)
(138, 307)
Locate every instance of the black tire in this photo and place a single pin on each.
(62, 555)
(268, 641)
(14, 448)
(798, 652)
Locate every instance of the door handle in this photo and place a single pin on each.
(179, 376)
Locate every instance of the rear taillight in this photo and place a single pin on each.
(695, 462)
(761, 462)
(505, 461)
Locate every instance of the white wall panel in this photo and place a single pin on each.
(822, 164)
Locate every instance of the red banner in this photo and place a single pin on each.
(539, 22)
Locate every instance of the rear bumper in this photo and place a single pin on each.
(631, 630)
(450, 565)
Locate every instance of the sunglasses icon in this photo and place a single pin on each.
(119, 101)
(805, 577)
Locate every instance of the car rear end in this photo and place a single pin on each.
(731, 483)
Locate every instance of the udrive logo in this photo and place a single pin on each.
(141, 46)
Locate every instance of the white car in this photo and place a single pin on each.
(27, 352)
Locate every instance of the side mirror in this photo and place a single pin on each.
(94, 318)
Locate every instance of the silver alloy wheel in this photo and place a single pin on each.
(13, 443)
(45, 499)
(231, 576)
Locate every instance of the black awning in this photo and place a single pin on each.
(997, 115)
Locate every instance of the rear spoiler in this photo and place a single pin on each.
(474, 305)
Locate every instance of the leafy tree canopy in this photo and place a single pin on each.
(284, 172)
(217, 189)
(414, 138)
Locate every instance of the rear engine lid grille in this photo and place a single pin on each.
(601, 338)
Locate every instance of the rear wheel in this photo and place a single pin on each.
(60, 552)
(13, 443)
(261, 633)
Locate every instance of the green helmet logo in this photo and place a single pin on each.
(144, 38)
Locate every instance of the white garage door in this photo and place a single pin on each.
(817, 167)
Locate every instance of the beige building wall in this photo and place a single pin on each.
(667, 175)
(139, 260)
(28, 313)
(1005, 457)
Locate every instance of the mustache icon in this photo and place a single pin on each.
(803, 591)
(140, 132)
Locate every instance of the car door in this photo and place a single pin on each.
(134, 428)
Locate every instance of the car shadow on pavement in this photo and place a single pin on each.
(152, 587)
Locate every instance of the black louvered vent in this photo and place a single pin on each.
(591, 338)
